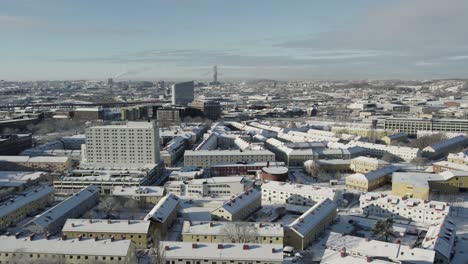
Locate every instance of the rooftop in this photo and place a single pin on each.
(312, 217)
(88, 247)
(163, 209)
(14, 202)
(216, 228)
(240, 201)
(138, 191)
(107, 226)
(226, 251)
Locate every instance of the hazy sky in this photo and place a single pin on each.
(247, 39)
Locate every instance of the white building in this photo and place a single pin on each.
(416, 210)
(440, 237)
(239, 207)
(352, 249)
(216, 186)
(300, 194)
(206, 158)
(132, 145)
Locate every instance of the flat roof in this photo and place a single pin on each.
(106, 226)
(375, 248)
(229, 251)
(218, 227)
(90, 247)
(236, 152)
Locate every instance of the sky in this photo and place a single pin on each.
(246, 39)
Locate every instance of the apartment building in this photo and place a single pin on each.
(17, 207)
(422, 185)
(365, 164)
(40, 163)
(225, 232)
(239, 207)
(305, 229)
(365, 182)
(442, 166)
(221, 253)
(412, 125)
(52, 220)
(394, 138)
(441, 148)
(138, 231)
(145, 195)
(299, 194)
(440, 238)
(133, 144)
(108, 178)
(241, 168)
(216, 186)
(352, 249)
(379, 150)
(207, 158)
(290, 156)
(416, 210)
(163, 214)
(30, 250)
(174, 150)
(460, 158)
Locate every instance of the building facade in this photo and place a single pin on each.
(183, 93)
(239, 207)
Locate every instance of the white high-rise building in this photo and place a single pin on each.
(130, 145)
(182, 93)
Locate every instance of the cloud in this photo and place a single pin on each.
(13, 23)
(20, 23)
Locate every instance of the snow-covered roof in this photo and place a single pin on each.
(87, 247)
(218, 227)
(138, 191)
(65, 206)
(375, 174)
(239, 202)
(442, 145)
(22, 199)
(374, 248)
(223, 251)
(301, 189)
(106, 226)
(312, 217)
(441, 237)
(163, 209)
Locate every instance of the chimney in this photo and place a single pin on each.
(31, 237)
(194, 245)
(17, 235)
(273, 250)
(112, 238)
(80, 237)
(73, 224)
(90, 221)
(109, 221)
(64, 237)
(268, 164)
(343, 252)
(211, 224)
(128, 222)
(369, 259)
(367, 239)
(220, 246)
(47, 236)
(96, 238)
(245, 247)
(167, 248)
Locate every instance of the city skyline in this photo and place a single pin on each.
(246, 39)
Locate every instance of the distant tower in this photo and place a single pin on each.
(110, 82)
(215, 74)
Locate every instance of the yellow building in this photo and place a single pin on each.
(397, 137)
(421, 185)
(176, 252)
(305, 229)
(163, 214)
(227, 232)
(366, 164)
(138, 231)
(24, 204)
(365, 182)
(31, 250)
(239, 207)
(459, 158)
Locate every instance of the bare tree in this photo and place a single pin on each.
(133, 207)
(312, 168)
(426, 141)
(108, 205)
(241, 232)
(159, 252)
(388, 157)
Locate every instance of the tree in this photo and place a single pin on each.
(108, 205)
(384, 228)
(133, 207)
(312, 168)
(388, 157)
(158, 255)
(428, 140)
(241, 232)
